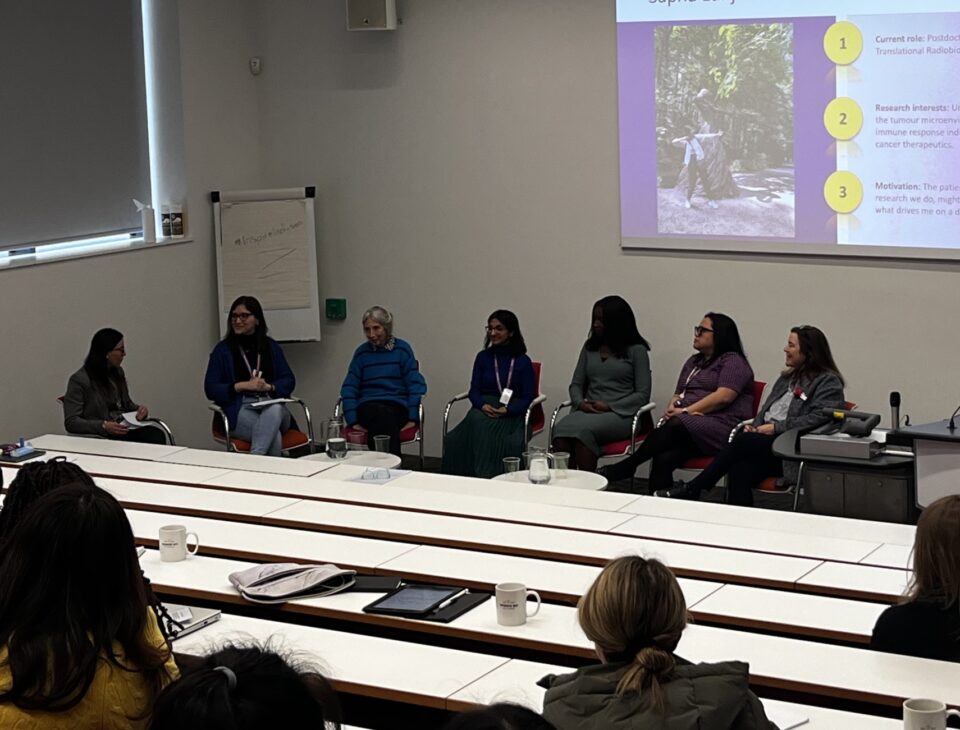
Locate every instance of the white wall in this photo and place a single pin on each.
(466, 162)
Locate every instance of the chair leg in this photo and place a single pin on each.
(796, 489)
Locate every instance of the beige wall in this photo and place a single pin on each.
(466, 162)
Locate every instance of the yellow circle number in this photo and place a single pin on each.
(843, 118)
(843, 43)
(843, 191)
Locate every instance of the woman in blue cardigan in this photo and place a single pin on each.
(247, 366)
(501, 390)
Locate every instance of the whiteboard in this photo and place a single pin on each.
(266, 248)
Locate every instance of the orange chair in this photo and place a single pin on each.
(640, 428)
(534, 419)
(410, 435)
(294, 438)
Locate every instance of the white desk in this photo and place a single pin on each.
(385, 668)
(516, 681)
(748, 538)
(856, 580)
(104, 447)
(247, 462)
(358, 457)
(573, 479)
(799, 523)
(891, 556)
(153, 471)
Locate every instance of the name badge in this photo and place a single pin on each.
(505, 396)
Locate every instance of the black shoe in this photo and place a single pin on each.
(679, 490)
(617, 472)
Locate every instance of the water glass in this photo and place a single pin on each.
(511, 464)
(561, 460)
(381, 443)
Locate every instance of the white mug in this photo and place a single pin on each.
(512, 604)
(920, 714)
(173, 543)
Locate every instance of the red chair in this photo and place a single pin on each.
(534, 419)
(641, 427)
(410, 435)
(294, 438)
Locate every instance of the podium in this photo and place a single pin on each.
(936, 459)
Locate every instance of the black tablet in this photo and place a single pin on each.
(413, 600)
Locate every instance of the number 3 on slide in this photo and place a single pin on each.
(843, 191)
(843, 43)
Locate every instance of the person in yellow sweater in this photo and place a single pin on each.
(79, 645)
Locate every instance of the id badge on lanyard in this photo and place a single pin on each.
(505, 393)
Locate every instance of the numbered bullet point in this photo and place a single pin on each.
(843, 191)
(843, 43)
(843, 118)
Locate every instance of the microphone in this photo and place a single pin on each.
(952, 425)
(894, 410)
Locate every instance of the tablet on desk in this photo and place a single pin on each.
(414, 600)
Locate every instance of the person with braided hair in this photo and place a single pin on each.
(32, 481)
(635, 614)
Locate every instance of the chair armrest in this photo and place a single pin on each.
(309, 420)
(226, 424)
(337, 409)
(553, 418)
(541, 398)
(446, 410)
(737, 429)
(165, 428)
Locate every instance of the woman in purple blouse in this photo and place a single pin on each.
(714, 393)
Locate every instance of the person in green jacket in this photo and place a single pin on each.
(635, 614)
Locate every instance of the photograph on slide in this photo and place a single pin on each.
(724, 129)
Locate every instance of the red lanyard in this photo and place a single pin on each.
(496, 371)
(247, 362)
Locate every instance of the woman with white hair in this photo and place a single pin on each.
(383, 388)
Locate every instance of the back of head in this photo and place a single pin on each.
(103, 342)
(936, 553)
(501, 716)
(70, 587)
(726, 336)
(635, 613)
(817, 357)
(247, 688)
(33, 480)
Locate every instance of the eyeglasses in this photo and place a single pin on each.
(241, 316)
(698, 330)
(498, 328)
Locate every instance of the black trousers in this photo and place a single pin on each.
(668, 446)
(746, 462)
(144, 435)
(383, 418)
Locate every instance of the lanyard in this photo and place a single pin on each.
(496, 371)
(247, 362)
(687, 382)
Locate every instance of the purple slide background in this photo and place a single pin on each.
(814, 86)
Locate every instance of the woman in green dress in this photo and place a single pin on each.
(610, 383)
(501, 390)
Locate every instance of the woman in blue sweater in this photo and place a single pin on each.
(501, 390)
(247, 366)
(383, 388)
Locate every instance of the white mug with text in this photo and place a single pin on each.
(512, 604)
(173, 543)
(921, 714)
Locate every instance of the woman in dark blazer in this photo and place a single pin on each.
(810, 383)
(247, 366)
(97, 395)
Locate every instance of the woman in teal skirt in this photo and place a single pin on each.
(501, 390)
(610, 383)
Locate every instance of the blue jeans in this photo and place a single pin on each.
(263, 427)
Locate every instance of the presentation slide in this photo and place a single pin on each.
(819, 127)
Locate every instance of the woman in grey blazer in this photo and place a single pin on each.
(97, 395)
(810, 383)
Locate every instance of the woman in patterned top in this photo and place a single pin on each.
(714, 393)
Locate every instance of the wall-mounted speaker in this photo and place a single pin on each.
(371, 14)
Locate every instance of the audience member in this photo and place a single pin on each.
(927, 622)
(247, 688)
(501, 716)
(714, 393)
(810, 383)
(501, 390)
(383, 388)
(97, 395)
(78, 645)
(247, 366)
(610, 383)
(635, 613)
(31, 482)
